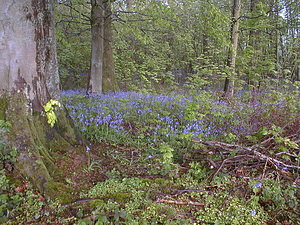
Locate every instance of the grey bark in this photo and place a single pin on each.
(109, 79)
(26, 50)
(229, 82)
(29, 79)
(102, 75)
(97, 27)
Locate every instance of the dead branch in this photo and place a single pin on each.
(179, 202)
(231, 147)
(211, 177)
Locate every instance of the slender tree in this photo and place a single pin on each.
(29, 79)
(229, 81)
(97, 28)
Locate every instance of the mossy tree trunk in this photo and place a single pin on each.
(29, 79)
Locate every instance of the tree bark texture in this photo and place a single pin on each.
(29, 79)
(102, 75)
(97, 27)
(229, 82)
(109, 78)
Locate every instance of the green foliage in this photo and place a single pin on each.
(161, 47)
(73, 43)
(4, 197)
(21, 207)
(167, 158)
(7, 154)
(198, 172)
(183, 43)
(49, 110)
(235, 211)
(275, 198)
(164, 41)
(20, 203)
(124, 201)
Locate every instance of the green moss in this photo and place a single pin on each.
(169, 212)
(162, 181)
(66, 128)
(3, 107)
(13, 181)
(59, 191)
(95, 203)
(48, 160)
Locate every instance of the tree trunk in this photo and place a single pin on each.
(97, 23)
(102, 75)
(109, 78)
(29, 79)
(229, 81)
(253, 81)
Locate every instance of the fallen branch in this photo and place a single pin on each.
(211, 177)
(230, 147)
(179, 202)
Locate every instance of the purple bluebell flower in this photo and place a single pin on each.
(258, 185)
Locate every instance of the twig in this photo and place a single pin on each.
(190, 190)
(286, 153)
(179, 202)
(245, 177)
(212, 162)
(229, 147)
(211, 177)
(265, 168)
(215, 186)
(267, 140)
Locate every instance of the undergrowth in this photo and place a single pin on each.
(142, 167)
(163, 127)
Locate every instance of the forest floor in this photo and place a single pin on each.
(122, 185)
(147, 177)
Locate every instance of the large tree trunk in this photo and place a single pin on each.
(102, 75)
(29, 79)
(229, 82)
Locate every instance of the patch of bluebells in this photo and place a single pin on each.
(156, 117)
(139, 114)
(126, 111)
